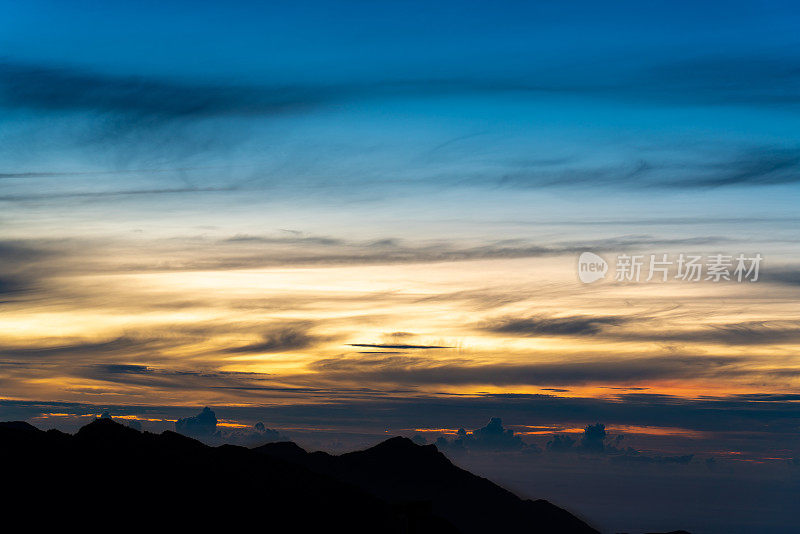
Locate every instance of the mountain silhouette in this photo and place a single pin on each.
(109, 476)
(400, 471)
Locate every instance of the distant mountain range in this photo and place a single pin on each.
(110, 477)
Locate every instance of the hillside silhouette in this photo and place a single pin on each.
(402, 472)
(109, 476)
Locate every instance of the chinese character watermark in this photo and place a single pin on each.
(665, 267)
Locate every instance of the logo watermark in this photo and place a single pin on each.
(666, 267)
(591, 267)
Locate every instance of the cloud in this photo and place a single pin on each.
(596, 441)
(761, 424)
(765, 166)
(33, 262)
(19, 252)
(119, 193)
(742, 166)
(743, 333)
(206, 427)
(607, 370)
(560, 443)
(157, 378)
(239, 253)
(281, 340)
(635, 457)
(492, 437)
(23, 264)
(789, 276)
(12, 286)
(752, 80)
(126, 369)
(151, 119)
(121, 344)
(120, 123)
(393, 346)
(593, 441)
(253, 436)
(203, 424)
(594, 437)
(419, 439)
(576, 325)
(268, 432)
(646, 328)
(64, 88)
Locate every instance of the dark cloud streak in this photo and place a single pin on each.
(61, 88)
(576, 325)
(281, 340)
(416, 370)
(399, 346)
(644, 328)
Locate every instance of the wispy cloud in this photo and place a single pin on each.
(283, 339)
(64, 88)
(154, 119)
(647, 328)
(191, 253)
(396, 346)
(576, 325)
(607, 370)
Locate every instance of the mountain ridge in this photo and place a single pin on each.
(395, 486)
(399, 470)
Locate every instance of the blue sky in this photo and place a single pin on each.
(464, 96)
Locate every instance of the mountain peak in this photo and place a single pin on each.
(107, 429)
(18, 425)
(396, 443)
(401, 445)
(286, 450)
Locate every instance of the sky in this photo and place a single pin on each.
(349, 220)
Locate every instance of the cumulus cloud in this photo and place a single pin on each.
(249, 437)
(492, 437)
(594, 437)
(203, 424)
(594, 440)
(419, 439)
(560, 443)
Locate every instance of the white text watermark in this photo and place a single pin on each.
(667, 267)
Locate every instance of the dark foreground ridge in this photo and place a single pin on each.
(110, 477)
